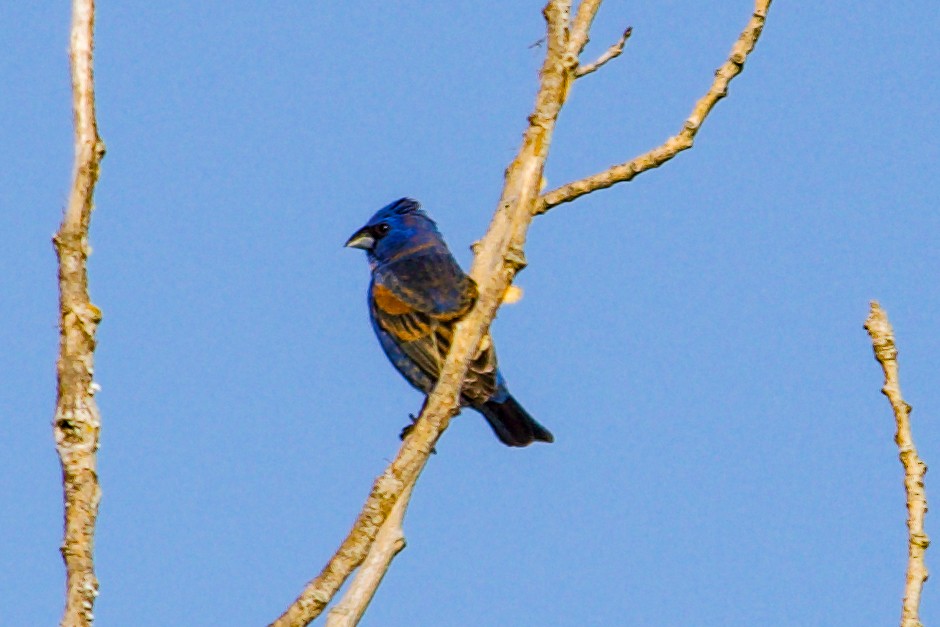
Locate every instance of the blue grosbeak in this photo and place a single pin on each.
(416, 296)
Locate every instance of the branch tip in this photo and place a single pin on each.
(684, 140)
(498, 257)
(611, 53)
(884, 347)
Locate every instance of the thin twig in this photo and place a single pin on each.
(882, 339)
(77, 422)
(677, 143)
(389, 542)
(498, 257)
(611, 53)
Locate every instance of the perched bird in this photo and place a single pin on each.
(416, 296)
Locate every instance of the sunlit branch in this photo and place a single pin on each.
(677, 143)
(77, 421)
(882, 339)
(498, 256)
(389, 542)
(611, 53)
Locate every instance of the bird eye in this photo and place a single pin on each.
(381, 229)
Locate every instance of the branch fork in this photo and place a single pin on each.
(612, 53)
(376, 536)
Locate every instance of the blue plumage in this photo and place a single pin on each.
(416, 295)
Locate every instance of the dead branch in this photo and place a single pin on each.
(581, 26)
(677, 143)
(611, 53)
(389, 542)
(882, 339)
(498, 256)
(77, 421)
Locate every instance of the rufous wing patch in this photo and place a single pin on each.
(386, 300)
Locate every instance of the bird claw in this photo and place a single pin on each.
(409, 428)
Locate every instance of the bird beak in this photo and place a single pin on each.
(362, 238)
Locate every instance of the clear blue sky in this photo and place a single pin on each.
(694, 339)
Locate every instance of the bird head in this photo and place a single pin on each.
(396, 228)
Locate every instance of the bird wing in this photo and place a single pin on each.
(430, 283)
(417, 300)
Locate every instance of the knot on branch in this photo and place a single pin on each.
(515, 259)
(84, 316)
(569, 61)
(884, 348)
(387, 485)
(69, 241)
(77, 432)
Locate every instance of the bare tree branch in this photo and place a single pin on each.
(581, 27)
(882, 339)
(389, 542)
(677, 143)
(611, 53)
(498, 256)
(386, 490)
(77, 421)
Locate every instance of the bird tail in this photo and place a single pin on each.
(512, 424)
